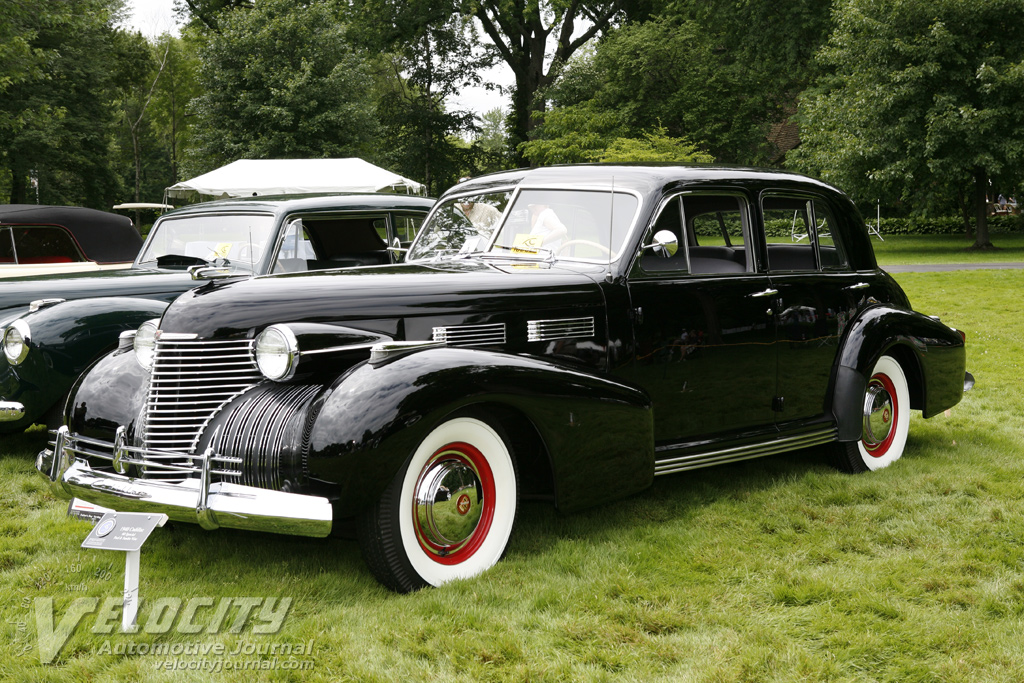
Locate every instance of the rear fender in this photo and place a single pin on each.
(932, 355)
(597, 433)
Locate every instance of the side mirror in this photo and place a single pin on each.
(665, 244)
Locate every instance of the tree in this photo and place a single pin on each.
(430, 56)
(722, 74)
(175, 89)
(921, 94)
(520, 31)
(56, 122)
(281, 80)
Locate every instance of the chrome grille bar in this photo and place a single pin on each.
(191, 381)
(564, 328)
(470, 335)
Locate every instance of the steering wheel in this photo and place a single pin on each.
(572, 243)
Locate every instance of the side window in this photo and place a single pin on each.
(712, 232)
(381, 226)
(6, 246)
(717, 228)
(655, 260)
(45, 244)
(296, 250)
(829, 248)
(406, 228)
(798, 234)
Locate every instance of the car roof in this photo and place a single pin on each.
(285, 204)
(643, 178)
(103, 237)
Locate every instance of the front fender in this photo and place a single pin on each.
(66, 339)
(598, 433)
(932, 355)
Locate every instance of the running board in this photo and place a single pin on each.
(748, 452)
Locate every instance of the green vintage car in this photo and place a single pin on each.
(53, 328)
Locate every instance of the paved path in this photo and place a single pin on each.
(942, 267)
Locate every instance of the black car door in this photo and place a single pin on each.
(702, 324)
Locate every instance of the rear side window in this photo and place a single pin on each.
(6, 246)
(44, 244)
(798, 234)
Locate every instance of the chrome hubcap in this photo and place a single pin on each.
(449, 503)
(878, 414)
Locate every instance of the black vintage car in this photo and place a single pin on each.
(564, 334)
(53, 328)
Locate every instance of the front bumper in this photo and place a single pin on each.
(197, 500)
(11, 411)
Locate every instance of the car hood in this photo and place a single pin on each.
(385, 299)
(17, 293)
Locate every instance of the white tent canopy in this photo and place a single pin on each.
(257, 177)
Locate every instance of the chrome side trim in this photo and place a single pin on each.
(389, 350)
(695, 461)
(470, 335)
(563, 328)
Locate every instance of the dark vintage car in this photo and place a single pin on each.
(53, 328)
(564, 334)
(37, 240)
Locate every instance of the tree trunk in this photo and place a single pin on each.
(981, 240)
(964, 207)
(19, 184)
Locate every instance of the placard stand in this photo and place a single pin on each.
(125, 531)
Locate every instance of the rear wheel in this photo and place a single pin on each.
(449, 512)
(885, 421)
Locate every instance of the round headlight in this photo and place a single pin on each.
(16, 338)
(277, 352)
(145, 343)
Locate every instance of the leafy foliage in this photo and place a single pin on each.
(714, 73)
(282, 81)
(920, 96)
(56, 123)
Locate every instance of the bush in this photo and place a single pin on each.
(946, 225)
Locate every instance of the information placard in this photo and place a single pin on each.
(123, 530)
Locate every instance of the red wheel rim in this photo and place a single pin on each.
(465, 455)
(881, 448)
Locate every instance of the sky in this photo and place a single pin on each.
(155, 17)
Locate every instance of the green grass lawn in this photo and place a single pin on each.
(914, 249)
(779, 569)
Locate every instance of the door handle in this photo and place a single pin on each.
(761, 295)
(859, 285)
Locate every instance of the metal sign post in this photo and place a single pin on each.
(125, 531)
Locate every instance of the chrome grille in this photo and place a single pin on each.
(564, 328)
(257, 432)
(190, 382)
(471, 335)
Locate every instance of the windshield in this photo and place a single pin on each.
(232, 240)
(461, 225)
(586, 225)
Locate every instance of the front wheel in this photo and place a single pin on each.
(885, 419)
(448, 514)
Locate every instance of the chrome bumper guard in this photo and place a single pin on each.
(212, 505)
(11, 411)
